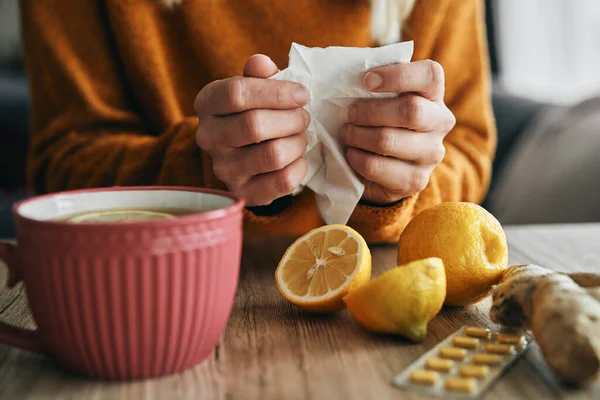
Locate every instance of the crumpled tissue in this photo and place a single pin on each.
(333, 76)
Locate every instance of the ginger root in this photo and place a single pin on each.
(563, 312)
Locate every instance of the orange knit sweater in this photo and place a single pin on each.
(113, 85)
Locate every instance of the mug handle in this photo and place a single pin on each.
(23, 338)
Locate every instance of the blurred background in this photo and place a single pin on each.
(14, 114)
(544, 53)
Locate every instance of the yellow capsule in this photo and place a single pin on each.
(422, 377)
(505, 338)
(499, 348)
(487, 359)
(463, 385)
(453, 353)
(465, 342)
(478, 332)
(439, 364)
(474, 371)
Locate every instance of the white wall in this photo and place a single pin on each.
(549, 50)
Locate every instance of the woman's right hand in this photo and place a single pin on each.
(253, 129)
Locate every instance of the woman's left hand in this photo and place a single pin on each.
(395, 143)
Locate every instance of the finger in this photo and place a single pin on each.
(238, 94)
(260, 66)
(410, 112)
(256, 126)
(391, 173)
(240, 165)
(263, 189)
(424, 77)
(250, 127)
(400, 143)
(377, 194)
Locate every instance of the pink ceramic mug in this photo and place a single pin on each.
(126, 300)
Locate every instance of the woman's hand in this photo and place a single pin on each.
(395, 143)
(253, 129)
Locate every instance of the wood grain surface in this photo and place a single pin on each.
(271, 350)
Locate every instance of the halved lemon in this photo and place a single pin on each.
(319, 268)
(118, 216)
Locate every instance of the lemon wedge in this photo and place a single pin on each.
(322, 266)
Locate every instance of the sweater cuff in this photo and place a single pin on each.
(276, 207)
(264, 215)
(381, 213)
(383, 224)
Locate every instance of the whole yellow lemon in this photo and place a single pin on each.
(470, 242)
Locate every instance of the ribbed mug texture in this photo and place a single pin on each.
(133, 301)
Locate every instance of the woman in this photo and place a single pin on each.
(144, 93)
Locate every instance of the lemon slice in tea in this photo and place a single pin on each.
(99, 217)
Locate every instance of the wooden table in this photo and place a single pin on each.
(272, 350)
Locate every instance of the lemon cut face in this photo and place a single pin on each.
(110, 216)
(319, 268)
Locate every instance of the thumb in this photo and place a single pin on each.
(260, 66)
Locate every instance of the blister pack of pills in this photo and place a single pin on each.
(465, 364)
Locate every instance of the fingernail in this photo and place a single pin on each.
(343, 134)
(372, 80)
(352, 113)
(306, 117)
(301, 96)
(345, 131)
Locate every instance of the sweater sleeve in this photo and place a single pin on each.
(88, 130)
(460, 46)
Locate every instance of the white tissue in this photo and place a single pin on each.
(333, 76)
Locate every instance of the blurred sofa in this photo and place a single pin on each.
(14, 115)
